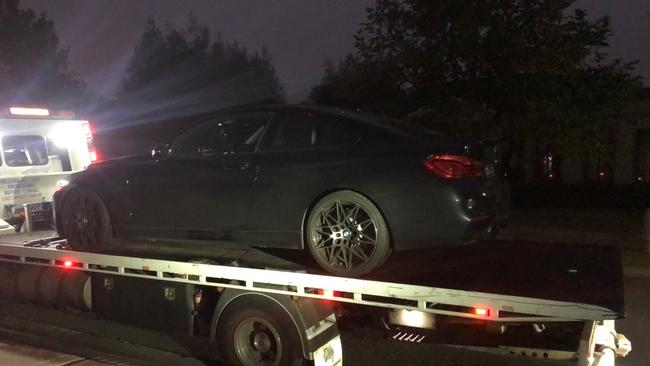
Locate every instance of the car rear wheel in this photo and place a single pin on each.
(347, 234)
(85, 222)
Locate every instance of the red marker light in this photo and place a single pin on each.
(482, 312)
(67, 264)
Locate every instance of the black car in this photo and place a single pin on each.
(349, 187)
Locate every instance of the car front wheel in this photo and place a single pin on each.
(85, 222)
(347, 234)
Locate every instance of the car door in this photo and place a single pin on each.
(203, 186)
(304, 153)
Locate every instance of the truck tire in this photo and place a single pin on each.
(255, 331)
(85, 222)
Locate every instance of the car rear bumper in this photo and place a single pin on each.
(448, 218)
(480, 227)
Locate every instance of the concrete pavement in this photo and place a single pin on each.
(12, 354)
(636, 326)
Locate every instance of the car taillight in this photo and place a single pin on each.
(454, 166)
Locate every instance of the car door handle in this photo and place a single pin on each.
(243, 166)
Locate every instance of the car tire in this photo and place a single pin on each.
(347, 235)
(253, 331)
(85, 221)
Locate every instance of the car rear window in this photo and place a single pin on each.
(306, 129)
(24, 150)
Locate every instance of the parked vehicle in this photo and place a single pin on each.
(349, 187)
(38, 148)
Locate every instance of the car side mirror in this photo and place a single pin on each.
(161, 151)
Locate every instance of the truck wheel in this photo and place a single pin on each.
(347, 234)
(84, 221)
(254, 332)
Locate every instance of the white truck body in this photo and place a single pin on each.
(36, 152)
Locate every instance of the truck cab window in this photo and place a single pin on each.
(22, 150)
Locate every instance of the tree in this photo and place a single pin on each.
(532, 69)
(33, 67)
(181, 71)
(353, 84)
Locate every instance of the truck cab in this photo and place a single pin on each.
(39, 149)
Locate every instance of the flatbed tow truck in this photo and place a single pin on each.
(260, 308)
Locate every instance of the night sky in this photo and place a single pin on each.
(300, 34)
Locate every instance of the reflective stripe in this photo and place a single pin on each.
(322, 326)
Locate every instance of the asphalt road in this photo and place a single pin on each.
(357, 352)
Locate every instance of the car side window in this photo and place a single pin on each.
(310, 130)
(221, 136)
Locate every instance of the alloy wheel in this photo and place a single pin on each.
(345, 234)
(83, 223)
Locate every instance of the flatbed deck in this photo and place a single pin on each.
(178, 251)
(561, 272)
(509, 282)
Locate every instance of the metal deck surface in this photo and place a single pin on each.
(563, 272)
(177, 250)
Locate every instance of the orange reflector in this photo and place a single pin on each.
(67, 264)
(482, 312)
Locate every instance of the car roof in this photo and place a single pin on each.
(388, 125)
(366, 118)
(279, 107)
